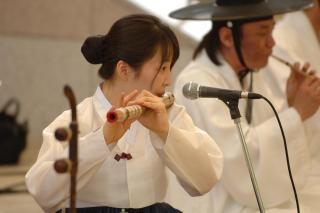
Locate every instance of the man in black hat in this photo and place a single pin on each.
(239, 43)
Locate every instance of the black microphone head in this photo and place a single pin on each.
(191, 90)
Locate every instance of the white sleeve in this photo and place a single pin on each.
(312, 127)
(50, 188)
(190, 153)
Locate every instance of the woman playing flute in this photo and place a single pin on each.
(122, 164)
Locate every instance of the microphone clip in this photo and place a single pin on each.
(232, 104)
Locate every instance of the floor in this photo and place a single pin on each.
(14, 196)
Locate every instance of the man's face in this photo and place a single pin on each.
(257, 42)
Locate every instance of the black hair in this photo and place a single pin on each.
(211, 41)
(133, 39)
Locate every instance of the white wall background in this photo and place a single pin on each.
(40, 44)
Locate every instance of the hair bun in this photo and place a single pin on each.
(92, 49)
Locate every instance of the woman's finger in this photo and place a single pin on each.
(126, 98)
(121, 100)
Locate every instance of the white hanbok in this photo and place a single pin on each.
(188, 152)
(235, 193)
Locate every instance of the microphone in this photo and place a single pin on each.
(135, 111)
(193, 90)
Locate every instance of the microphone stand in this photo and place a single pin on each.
(235, 115)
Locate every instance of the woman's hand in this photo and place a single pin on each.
(155, 117)
(114, 131)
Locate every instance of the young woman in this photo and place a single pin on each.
(136, 56)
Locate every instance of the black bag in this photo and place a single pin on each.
(13, 135)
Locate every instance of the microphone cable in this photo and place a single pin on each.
(286, 152)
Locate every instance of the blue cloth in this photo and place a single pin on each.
(155, 208)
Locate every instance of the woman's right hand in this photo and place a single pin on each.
(114, 131)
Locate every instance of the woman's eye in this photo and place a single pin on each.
(164, 68)
(262, 34)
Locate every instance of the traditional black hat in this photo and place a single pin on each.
(221, 10)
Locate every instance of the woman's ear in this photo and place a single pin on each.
(225, 35)
(122, 70)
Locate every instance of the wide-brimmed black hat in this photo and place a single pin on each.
(221, 10)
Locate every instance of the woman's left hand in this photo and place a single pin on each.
(155, 117)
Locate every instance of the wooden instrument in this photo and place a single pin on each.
(71, 134)
(135, 111)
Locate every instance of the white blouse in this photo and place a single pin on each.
(188, 152)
